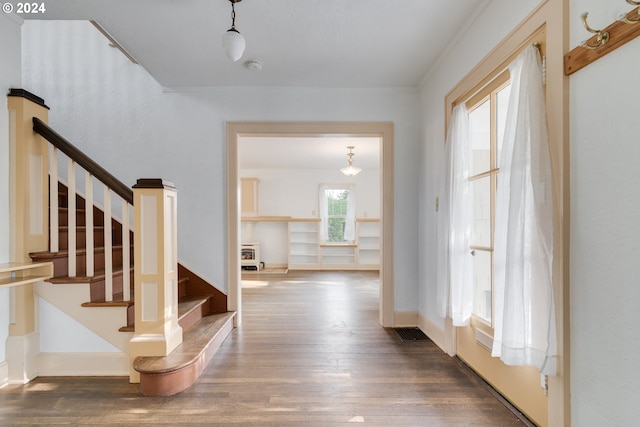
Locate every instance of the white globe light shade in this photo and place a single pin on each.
(350, 170)
(233, 43)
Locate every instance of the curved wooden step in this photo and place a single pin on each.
(168, 375)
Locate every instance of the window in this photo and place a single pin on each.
(337, 213)
(487, 116)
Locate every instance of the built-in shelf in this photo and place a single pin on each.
(307, 252)
(18, 274)
(303, 244)
(369, 243)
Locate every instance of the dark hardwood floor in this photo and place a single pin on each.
(310, 352)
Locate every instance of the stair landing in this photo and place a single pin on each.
(168, 375)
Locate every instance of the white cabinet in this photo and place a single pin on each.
(249, 196)
(303, 244)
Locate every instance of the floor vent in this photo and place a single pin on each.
(411, 334)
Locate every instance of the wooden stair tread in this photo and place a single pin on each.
(66, 209)
(185, 306)
(117, 301)
(80, 227)
(63, 253)
(80, 278)
(189, 303)
(194, 344)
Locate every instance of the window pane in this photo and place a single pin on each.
(337, 206)
(481, 232)
(482, 284)
(337, 201)
(336, 229)
(502, 102)
(480, 137)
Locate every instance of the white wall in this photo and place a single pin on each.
(116, 113)
(489, 28)
(294, 192)
(10, 77)
(605, 230)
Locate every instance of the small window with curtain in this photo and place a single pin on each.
(337, 213)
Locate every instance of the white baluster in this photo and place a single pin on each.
(71, 211)
(108, 255)
(126, 253)
(54, 222)
(88, 221)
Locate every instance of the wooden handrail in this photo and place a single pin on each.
(83, 160)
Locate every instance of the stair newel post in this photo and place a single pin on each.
(29, 218)
(157, 332)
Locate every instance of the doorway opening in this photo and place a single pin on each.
(383, 130)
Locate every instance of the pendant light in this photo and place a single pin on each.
(232, 41)
(350, 170)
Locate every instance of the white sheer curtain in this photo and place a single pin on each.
(323, 210)
(350, 220)
(455, 264)
(524, 319)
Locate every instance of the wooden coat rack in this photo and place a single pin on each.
(603, 41)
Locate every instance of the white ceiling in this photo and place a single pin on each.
(318, 43)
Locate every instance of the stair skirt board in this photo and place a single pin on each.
(83, 364)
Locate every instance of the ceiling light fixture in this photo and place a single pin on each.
(232, 41)
(350, 170)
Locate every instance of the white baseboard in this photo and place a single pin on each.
(405, 319)
(83, 364)
(433, 331)
(4, 374)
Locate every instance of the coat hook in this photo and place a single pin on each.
(602, 37)
(624, 17)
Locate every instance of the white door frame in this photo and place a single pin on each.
(383, 130)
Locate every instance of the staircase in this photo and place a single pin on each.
(108, 282)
